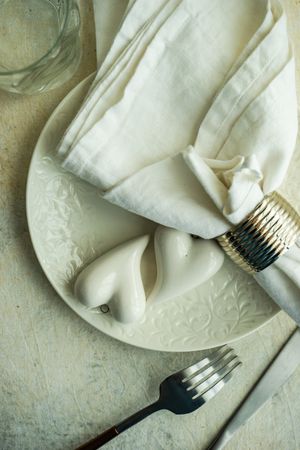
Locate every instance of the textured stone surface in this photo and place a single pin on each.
(61, 381)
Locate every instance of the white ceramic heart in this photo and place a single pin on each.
(115, 279)
(183, 262)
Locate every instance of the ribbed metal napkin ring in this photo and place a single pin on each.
(268, 232)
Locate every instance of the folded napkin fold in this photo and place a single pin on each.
(192, 119)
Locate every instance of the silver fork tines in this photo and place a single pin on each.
(213, 385)
(210, 374)
(209, 361)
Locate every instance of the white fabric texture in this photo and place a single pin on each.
(192, 119)
(108, 15)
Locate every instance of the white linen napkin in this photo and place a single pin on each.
(108, 16)
(192, 119)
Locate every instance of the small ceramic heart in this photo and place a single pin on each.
(183, 263)
(115, 279)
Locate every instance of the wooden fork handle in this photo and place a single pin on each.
(100, 440)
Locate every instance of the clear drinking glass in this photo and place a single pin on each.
(39, 44)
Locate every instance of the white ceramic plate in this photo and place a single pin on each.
(70, 225)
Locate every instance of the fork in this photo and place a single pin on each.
(181, 393)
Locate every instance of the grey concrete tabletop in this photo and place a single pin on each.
(62, 381)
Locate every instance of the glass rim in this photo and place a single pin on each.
(32, 65)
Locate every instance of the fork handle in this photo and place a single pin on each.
(100, 440)
(112, 432)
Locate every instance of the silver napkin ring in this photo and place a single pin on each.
(268, 232)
